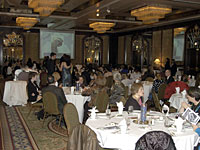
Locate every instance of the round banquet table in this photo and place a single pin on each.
(186, 140)
(78, 101)
(176, 100)
(15, 93)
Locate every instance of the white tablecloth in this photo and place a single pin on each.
(185, 140)
(78, 101)
(15, 93)
(176, 100)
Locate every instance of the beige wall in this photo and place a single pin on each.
(121, 50)
(31, 48)
(162, 45)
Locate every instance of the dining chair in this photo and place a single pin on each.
(155, 140)
(50, 105)
(34, 107)
(109, 81)
(156, 101)
(83, 138)
(71, 117)
(102, 101)
(150, 79)
(161, 91)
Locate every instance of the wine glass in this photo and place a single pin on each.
(130, 109)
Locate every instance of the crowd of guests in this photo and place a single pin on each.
(93, 79)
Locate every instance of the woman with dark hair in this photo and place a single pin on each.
(193, 96)
(32, 88)
(65, 68)
(136, 98)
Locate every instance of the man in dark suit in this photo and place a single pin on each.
(169, 78)
(51, 64)
(57, 91)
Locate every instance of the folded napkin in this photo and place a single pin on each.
(179, 78)
(120, 107)
(183, 93)
(193, 77)
(93, 112)
(179, 124)
(177, 90)
(165, 110)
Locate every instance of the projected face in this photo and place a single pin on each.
(55, 44)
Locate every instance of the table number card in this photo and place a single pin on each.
(191, 116)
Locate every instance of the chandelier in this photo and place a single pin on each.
(101, 27)
(151, 14)
(26, 22)
(45, 7)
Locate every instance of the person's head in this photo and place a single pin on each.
(56, 76)
(158, 76)
(193, 94)
(167, 59)
(32, 76)
(100, 81)
(184, 78)
(167, 73)
(53, 56)
(81, 79)
(50, 79)
(117, 77)
(137, 89)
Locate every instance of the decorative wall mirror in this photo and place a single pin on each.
(12, 47)
(192, 54)
(92, 49)
(140, 51)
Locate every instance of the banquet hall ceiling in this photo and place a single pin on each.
(78, 14)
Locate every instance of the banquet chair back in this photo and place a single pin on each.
(71, 117)
(150, 79)
(156, 101)
(161, 91)
(82, 138)
(155, 140)
(109, 81)
(43, 79)
(50, 105)
(126, 92)
(102, 101)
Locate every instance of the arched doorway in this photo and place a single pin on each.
(140, 51)
(93, 50)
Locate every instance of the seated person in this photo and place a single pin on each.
(57, 91)
(197, 130)
(117, 89)
(193, 96)
(169, 78)
(32, 88)
(157, 82)
(136, 98)
(99, 86)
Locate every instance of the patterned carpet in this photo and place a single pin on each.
(26, 133)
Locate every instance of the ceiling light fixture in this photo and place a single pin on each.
(45, 7)
(151, 14)
(26, 22)
(101, 27)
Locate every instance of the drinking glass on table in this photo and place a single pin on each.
(130, 109)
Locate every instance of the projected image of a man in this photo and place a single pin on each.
(57, 42)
